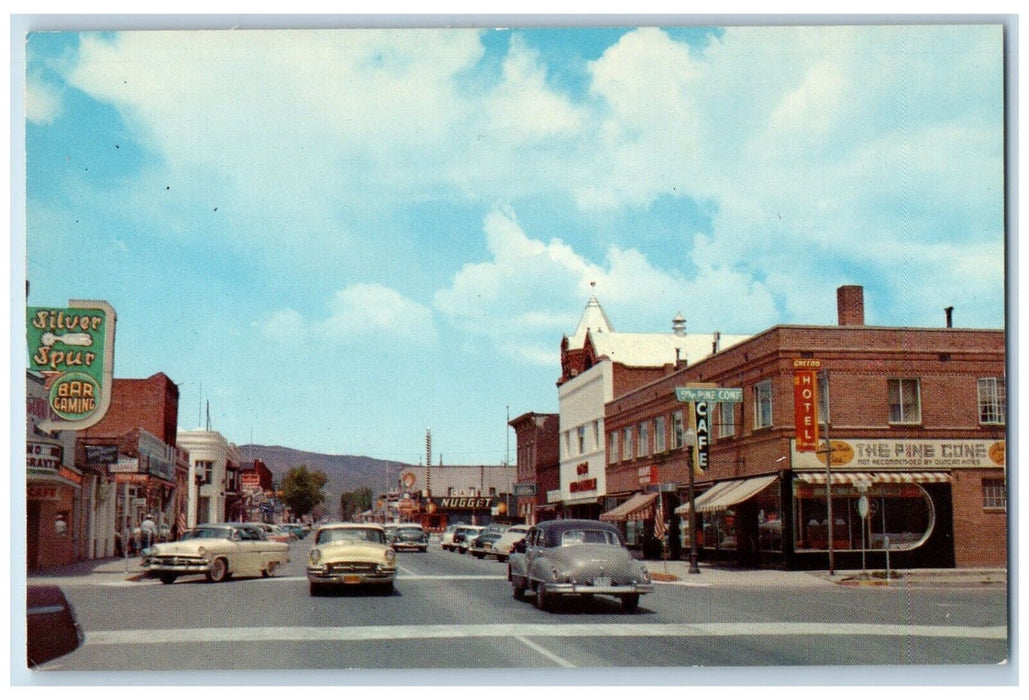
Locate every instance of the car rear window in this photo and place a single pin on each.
(351, 534)
(588, 537)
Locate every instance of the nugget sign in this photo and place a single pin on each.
(73, 349)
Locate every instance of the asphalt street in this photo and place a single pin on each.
(452, 612)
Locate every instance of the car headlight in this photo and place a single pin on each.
(202, 551)
(315, 556)
(391, 556)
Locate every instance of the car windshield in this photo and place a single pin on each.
(409, 531)
(352, 534)
(223, 533)
(588, 537)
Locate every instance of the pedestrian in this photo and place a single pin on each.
(148, 530)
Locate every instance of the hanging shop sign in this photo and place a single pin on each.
(73, 349)
(464, 502)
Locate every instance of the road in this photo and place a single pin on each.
(452, 611)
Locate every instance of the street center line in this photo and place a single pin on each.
(550, 655)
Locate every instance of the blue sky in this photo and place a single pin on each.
(340, 238)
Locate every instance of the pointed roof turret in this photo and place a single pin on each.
(593, 319)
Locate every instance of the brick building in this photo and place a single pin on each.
(917, 426)
(538, 465)
(132, 452)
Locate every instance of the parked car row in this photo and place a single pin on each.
(483, 541)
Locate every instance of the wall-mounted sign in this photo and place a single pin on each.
(44, 456)
(805, 404)
(583, 485)
(73, 349)
(908, 454)
(465, 503)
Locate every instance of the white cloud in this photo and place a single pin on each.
(356, 313)
(42, 102)
(377, 310)
(285, 327)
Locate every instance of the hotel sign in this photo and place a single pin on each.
(805, 404)
(73, 349)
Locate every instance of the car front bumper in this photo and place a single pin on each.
(410, 545)
(349, 576)
(176, 565)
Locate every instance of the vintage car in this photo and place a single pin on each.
(217, 550)
(410, 536)
(514, 534)
(463, 534)
(446, 540)
(276, 533)
(52, 629)
(576, 557)
(347, 554)
(482, 545)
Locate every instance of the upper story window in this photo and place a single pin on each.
(205, 471)
(643, 443)
(627, 442)
(763, 404)
(994, 494)
(659, 434)
(993, 400)
(823, 398)
(905, 401)
(596, 430)
(727, 419)
(678, 430)
(612, 447)
(581, 439)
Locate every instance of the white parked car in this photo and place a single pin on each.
(218, 551)
(514, 534)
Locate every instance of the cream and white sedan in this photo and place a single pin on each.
(217, 550)
(346, 554)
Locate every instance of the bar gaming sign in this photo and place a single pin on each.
(73, 349)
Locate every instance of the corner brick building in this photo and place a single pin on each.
(917, 425)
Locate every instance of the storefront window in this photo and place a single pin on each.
(903, 513)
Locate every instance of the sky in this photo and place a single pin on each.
(333, 240)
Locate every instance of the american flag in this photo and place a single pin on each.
(659, 519)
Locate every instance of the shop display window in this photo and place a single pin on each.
(903, 514)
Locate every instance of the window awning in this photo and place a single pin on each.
(580, 501)
(728, 493)
(875, 477)
(639, 507)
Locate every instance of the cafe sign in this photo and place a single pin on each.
(73, 349)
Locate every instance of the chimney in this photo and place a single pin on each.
(850, 305)
(950, 316)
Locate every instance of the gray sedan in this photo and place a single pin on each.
(576, 557)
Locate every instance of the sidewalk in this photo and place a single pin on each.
(671, 572)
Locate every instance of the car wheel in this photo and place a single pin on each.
(501, 558)
(219, 571)
(479, 555)
(388, 588)
(167, 578)
(630, 602)
(268, 572)
(519, 592)
(542, 599)
(316, 589)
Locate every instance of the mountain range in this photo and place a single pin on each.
(344, 472)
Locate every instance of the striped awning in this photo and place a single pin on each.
(639, 507)
(875, 477)
(728, 493)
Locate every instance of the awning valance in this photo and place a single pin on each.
(639, 507)
(854, 478)
(580, 501)
(728, 493)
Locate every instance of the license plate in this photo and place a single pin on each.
(602, 581)
(351, 579)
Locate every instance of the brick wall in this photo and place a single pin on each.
(980, 534)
